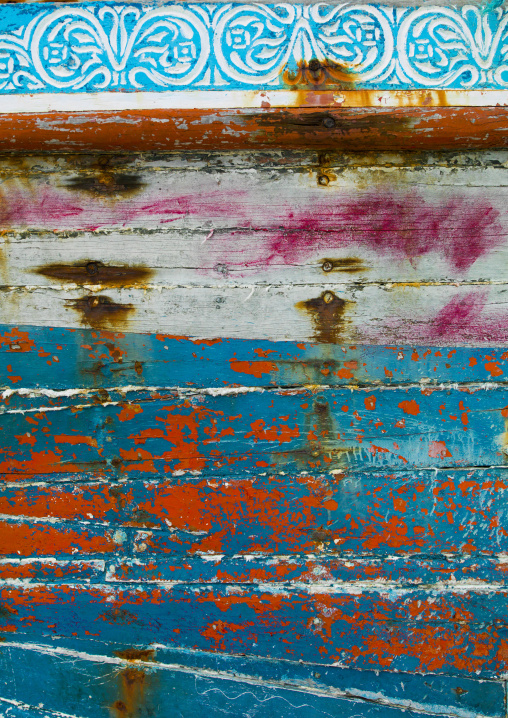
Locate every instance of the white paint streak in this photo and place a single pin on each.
(247, 99)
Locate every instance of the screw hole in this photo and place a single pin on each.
(92, 268)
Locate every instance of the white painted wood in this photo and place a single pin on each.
(200, 258)
(230, 99)
(233, 245)
(258, 218)
(378, 314)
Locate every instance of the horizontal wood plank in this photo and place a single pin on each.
(440, 315)
(460, 513)
(192, 681)
(86, 361)
(403, 221)
(240, 432)
(376, 129)
(445, 631)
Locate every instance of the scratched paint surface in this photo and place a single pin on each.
(254, 438)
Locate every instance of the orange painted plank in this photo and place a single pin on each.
(433, 128)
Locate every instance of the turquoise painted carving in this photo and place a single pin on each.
(101, 46)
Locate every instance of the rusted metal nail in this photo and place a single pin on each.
(93, 302)
(92, 268)
(314, 65)
(327, 266)
(328, 122)
(328, 297)
(323, 180)
(315, 453)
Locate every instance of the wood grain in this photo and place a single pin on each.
(233, 476)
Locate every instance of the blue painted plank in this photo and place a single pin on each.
(237, 433)
(323, 568)
(459, 512)
(180, 46)
(219, 686)
(32, 357)
(453, 632)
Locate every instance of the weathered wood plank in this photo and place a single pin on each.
(269, 230)
(451, 632)
(239, 432)
(391, 223)
(376, 129)
(27, 166)
(420, 511)
(52, 569)
(321, 568)
(55, 359)
(188, 682)
(436, 315)
(428, 512)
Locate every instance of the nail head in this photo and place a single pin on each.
(92, 268)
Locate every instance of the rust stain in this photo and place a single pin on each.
(141, 517)
(320, 450)
(105, 182)
(96, 272)
(99, 311)
(121, 616)
(4, 273)
(332, 129)
(118, 492)
(325, 175)
(6, 611)
(348, 265)
(327, 314)
(133, 683)
(320, 73)
(136, 654)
